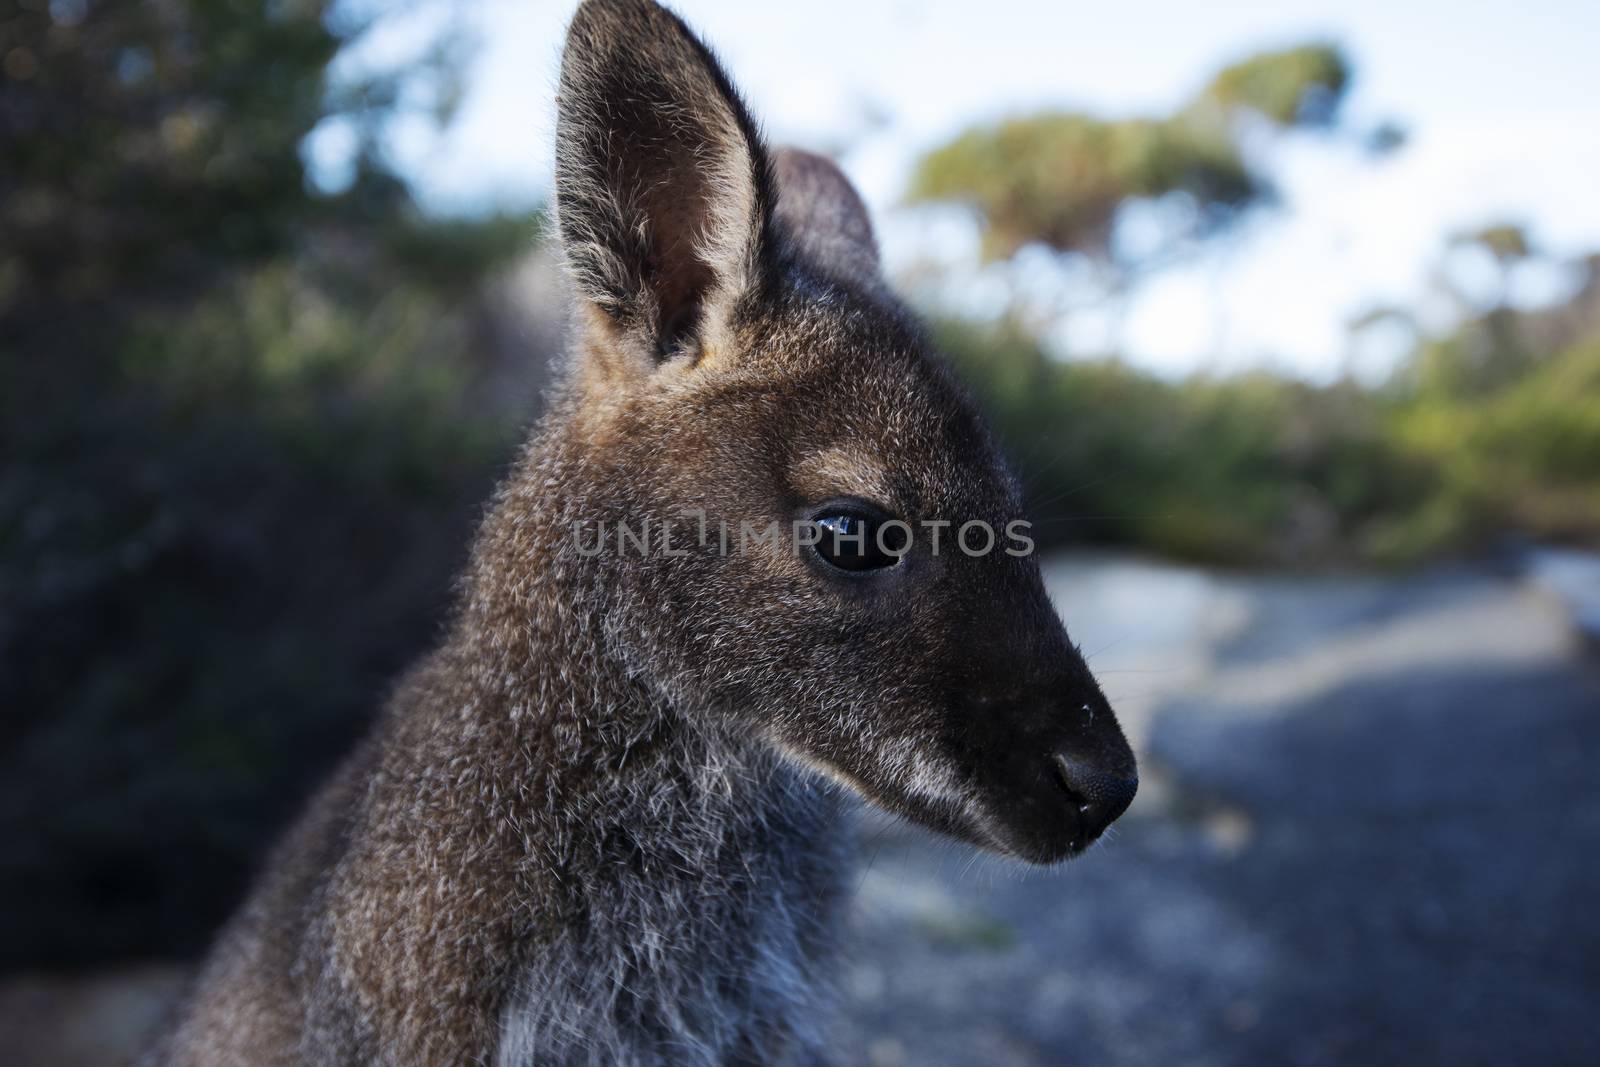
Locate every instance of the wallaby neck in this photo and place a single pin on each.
(564, 719)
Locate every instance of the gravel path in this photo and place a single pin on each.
(1374, 838)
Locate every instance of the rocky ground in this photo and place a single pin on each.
(1371, 839)
(1367, 834)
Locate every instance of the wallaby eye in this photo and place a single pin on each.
(858, 541)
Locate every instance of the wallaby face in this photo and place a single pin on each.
(741, 369)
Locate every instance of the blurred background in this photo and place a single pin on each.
(1289, 315)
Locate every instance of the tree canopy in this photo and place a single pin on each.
(245, 426)
(1060, 177)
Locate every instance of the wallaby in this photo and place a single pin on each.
(601, 824)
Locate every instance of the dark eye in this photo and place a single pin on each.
(856, 541)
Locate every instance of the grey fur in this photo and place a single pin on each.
(820, 207)
(590, 829)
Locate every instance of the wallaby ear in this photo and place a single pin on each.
(663, 193)
(824, 217)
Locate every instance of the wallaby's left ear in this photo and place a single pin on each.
(663, 192)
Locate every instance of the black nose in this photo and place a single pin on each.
(1100, 796)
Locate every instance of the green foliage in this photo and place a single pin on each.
(1522, 457)
(1244, 470)
(452, 255)
(1507, 242)
(148, 142)
(1491, 431)
(1060, 177)
(245, 438)
(1483, 356)
(216, 554)
(1300, 86)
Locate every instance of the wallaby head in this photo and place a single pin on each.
(740, 369)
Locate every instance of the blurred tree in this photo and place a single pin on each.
(150, 146)
(1061, 178)
(1238, 470)
(146, 142)
(244, 441)
(1507, 242)
(1488, 350)
(1488, 430)
(1301, 86)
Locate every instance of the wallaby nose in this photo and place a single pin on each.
(1100, 796)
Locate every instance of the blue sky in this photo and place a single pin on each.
(1502, 101)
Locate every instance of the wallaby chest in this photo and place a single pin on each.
(708, 935)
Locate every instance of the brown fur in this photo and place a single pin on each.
(590, 828)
